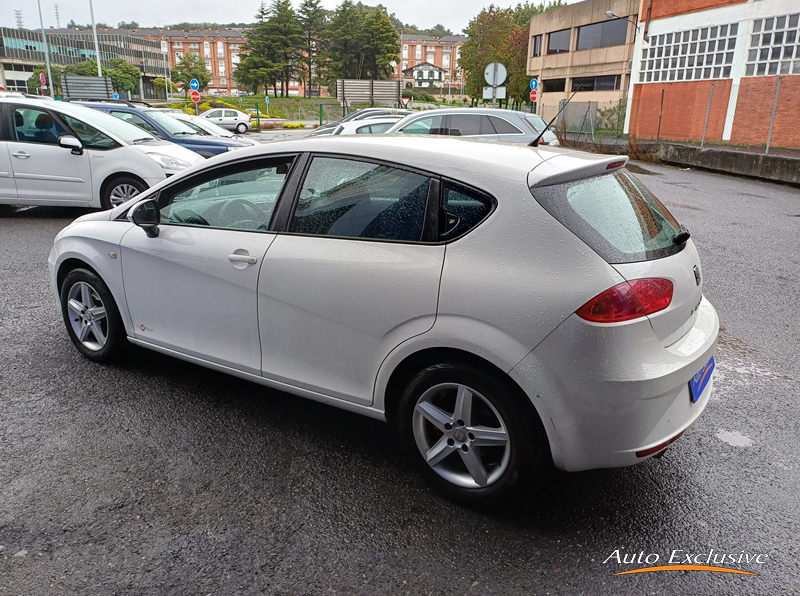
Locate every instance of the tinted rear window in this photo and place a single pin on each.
(615, 214)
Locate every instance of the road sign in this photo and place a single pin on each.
(42, 78)
(194, 84)
(495, 74)
(405, 100)
(266, 99)
(533, 95)
(195, 97)
(534, 84)
(115, 95)
(499, 92)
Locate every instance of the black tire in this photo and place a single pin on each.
(94, 346)
(525, 451)
(241, 128)
(119, 190)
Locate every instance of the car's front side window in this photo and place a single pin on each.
(136, 120)
(240, 200)
(89, 135)
(425, 126)
(358, 199)
(32, 125)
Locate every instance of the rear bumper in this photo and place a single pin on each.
(607, 392)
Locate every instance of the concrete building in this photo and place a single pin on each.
(441, 52)
(22, 49)
(717, 70)
(423, 74)
(578, 48)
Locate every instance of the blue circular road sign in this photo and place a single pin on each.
(115, 95)
(534, 84)
(266, 99)
(194, 84)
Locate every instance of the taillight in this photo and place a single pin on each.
(628, 300)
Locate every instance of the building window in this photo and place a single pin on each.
(536, 45)
(429, 58)
(207, 49)
(605, 83)
(235, 59)
(431, 48)
(558, 42)
(178, 44)
(220, 49)
(221, 67)
(600, 35)
(554, 85)
(692, 55)
(223, 81)
(446, 61)
(771, 45)
(418, 52)
(208, 66)
(193, 46)
(405, 65)
(178, 56)
(405, 50)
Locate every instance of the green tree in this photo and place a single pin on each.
(488, 35)
(261, 63)
(131, 25)
(379, 44)
(87, 68)
(160, 84)
(313, 23)
(438, 30)
(345, 55)
(523, 12)
(284, 24)
(191, 67)
(124, 75)
(34, 84)
(516, 52)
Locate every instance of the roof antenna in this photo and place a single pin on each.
(535, 142)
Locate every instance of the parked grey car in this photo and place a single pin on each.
(483, 123)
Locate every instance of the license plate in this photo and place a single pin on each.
(700, 380)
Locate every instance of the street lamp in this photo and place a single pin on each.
(611, 15)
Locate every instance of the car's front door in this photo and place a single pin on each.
(8, 190)
(352, 277)
(192, 288)
(43, 171)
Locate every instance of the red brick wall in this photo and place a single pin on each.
(669, 8)
(754, 111)
(683, 111)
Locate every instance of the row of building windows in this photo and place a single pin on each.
(430, 52)
(596, 35)
(599, 83)
(774, 46)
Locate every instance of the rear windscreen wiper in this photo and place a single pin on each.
(682, 236)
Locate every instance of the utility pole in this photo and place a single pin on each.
(18, 17)
(58, 19)
(46, 52)
(96, 43)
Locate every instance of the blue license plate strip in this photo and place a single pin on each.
(700, 380)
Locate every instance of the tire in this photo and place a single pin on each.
(480, 452)
(119, 190)
(97, 331)
(241, 128)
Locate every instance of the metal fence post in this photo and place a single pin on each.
(772, 120)
(708, 109)
(660, 111)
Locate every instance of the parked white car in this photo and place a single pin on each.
(204, 126)
(504, 306)
(57, 153)
(369, 126)
(230, 119)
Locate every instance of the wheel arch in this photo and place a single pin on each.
(116, 175)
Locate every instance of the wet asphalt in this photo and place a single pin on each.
(160, 477)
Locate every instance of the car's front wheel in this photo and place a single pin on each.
(119, 190)
(93, 321)
(469, 434)
(241, 128)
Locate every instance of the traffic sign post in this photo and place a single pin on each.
(534, 84)
(115, 95)
(533, 95)
(42, 79)
(194, 84)
(196, 99)
(495, 75)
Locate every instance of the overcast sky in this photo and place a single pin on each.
(454, 14)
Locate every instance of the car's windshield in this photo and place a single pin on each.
(536, 122)
(209, 127)
(129, 133)
(171, 125)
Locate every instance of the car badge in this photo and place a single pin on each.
(697, 276)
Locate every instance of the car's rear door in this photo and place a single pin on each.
(8, 189)
(352, 277)
(192, 288)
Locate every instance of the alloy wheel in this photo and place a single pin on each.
(121, 193)
(87, 316)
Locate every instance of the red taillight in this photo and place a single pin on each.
(628, 300)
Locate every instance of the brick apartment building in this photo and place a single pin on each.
(441, 52)
(737, 60)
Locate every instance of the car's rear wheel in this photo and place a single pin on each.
(93, 321)
(120, 190)
(470, 436)
(241, 128)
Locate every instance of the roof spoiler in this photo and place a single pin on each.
(563, 168)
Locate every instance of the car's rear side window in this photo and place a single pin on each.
(463, 209)
(615, 214)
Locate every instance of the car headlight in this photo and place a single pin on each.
(168, 162)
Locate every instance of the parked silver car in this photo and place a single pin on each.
(504, 306)
(480, 123)
(230, 119)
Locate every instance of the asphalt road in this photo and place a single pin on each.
(160, 477)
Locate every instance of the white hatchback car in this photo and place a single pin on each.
(62, 154)
(504, 306)
(230, 119)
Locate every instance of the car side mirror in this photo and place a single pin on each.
(72, 143)
(147, 216)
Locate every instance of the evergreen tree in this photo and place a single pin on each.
(313, 22)
(379, 44)
(345, 52)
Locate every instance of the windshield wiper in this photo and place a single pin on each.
(682, 236)
(143, 140)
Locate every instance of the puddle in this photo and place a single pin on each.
(734, 438)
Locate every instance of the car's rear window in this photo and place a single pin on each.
(615, 214)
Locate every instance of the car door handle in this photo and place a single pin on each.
(21, 154)
(242, 259)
